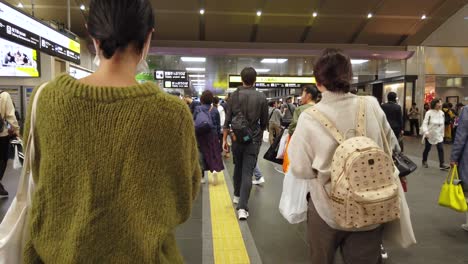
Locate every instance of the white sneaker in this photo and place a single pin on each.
(243, 214)
(259, 181)
(236, 199)
(203, 181)
(465, 227)
(383, 252)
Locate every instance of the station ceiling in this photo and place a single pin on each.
(393, 22)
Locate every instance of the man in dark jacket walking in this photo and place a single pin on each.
(394, 116)
(247, 115)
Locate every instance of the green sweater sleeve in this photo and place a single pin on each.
(292, 126)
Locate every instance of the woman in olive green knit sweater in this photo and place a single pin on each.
(116, 166)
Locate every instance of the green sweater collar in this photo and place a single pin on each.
(74, 88)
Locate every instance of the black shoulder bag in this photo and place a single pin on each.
(240, 125)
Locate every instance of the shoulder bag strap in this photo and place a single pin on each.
(361, 126)
(25, 179)
(325, 122)
(271, 115)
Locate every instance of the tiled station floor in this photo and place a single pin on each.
(213, 235)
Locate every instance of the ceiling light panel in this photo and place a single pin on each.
(279, 61)
(262, 70)
(357, 62)
(193, 59)
(195, 69)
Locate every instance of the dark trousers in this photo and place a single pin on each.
(245, 159)
(414, 123)
(356, 247)
(440, 149)
(4, 147)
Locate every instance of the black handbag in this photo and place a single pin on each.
(272, 152)
(404, 164)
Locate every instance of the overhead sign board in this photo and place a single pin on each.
(172, 79)
(267, 82)
(25, 30)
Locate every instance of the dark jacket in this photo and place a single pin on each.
(394, 117)
(254, 106)
(193, 106)
(460, 147)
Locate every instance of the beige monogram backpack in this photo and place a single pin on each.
(364, 191)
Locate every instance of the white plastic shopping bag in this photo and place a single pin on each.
(266, 136)
(14, 229)
(282, 145)
(16, 161)
(293, 203)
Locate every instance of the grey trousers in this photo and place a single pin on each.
(245, 159)
(355, 247)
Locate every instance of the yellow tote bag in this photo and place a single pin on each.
(451, 195)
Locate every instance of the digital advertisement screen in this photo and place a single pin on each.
(267, 82)
(18, 60)
(25, 30)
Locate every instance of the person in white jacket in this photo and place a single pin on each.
(433, 129)
(8, 117)
(311, 152)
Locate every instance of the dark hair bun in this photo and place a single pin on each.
(109, 47)
(117, 24)
(334, 71)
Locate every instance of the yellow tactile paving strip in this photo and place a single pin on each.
(228, 244)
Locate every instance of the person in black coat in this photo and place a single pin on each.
(394, 115)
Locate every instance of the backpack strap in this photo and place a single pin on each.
(327, 124)
(361, 126)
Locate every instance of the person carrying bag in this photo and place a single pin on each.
(14, 229)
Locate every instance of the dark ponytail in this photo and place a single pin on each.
(119, 23)
(313, 91)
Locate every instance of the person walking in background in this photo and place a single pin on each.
(459, 155)
(309, 97)
(222, 118)
(287, 110)
(192, 104)
(259, 179)
(456, 122)
(433, 133)
(394, 116)
(7, 116)
(413, 116)
(448, 123)
(311, 152)
(208, 143)
(247, 114)
(118, 167)
(274, 121)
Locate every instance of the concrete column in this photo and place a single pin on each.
(416, 65)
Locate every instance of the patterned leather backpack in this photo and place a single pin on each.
(364, 191)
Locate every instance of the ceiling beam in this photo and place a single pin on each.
(420, 23)
(364, 23)
(253, 33)
(202, 24)
(312, 19)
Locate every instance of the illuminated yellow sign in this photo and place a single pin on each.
(275, 79)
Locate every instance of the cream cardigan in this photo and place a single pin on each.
(312, 147)
(7, 111)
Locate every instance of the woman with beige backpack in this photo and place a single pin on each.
(343, 146)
